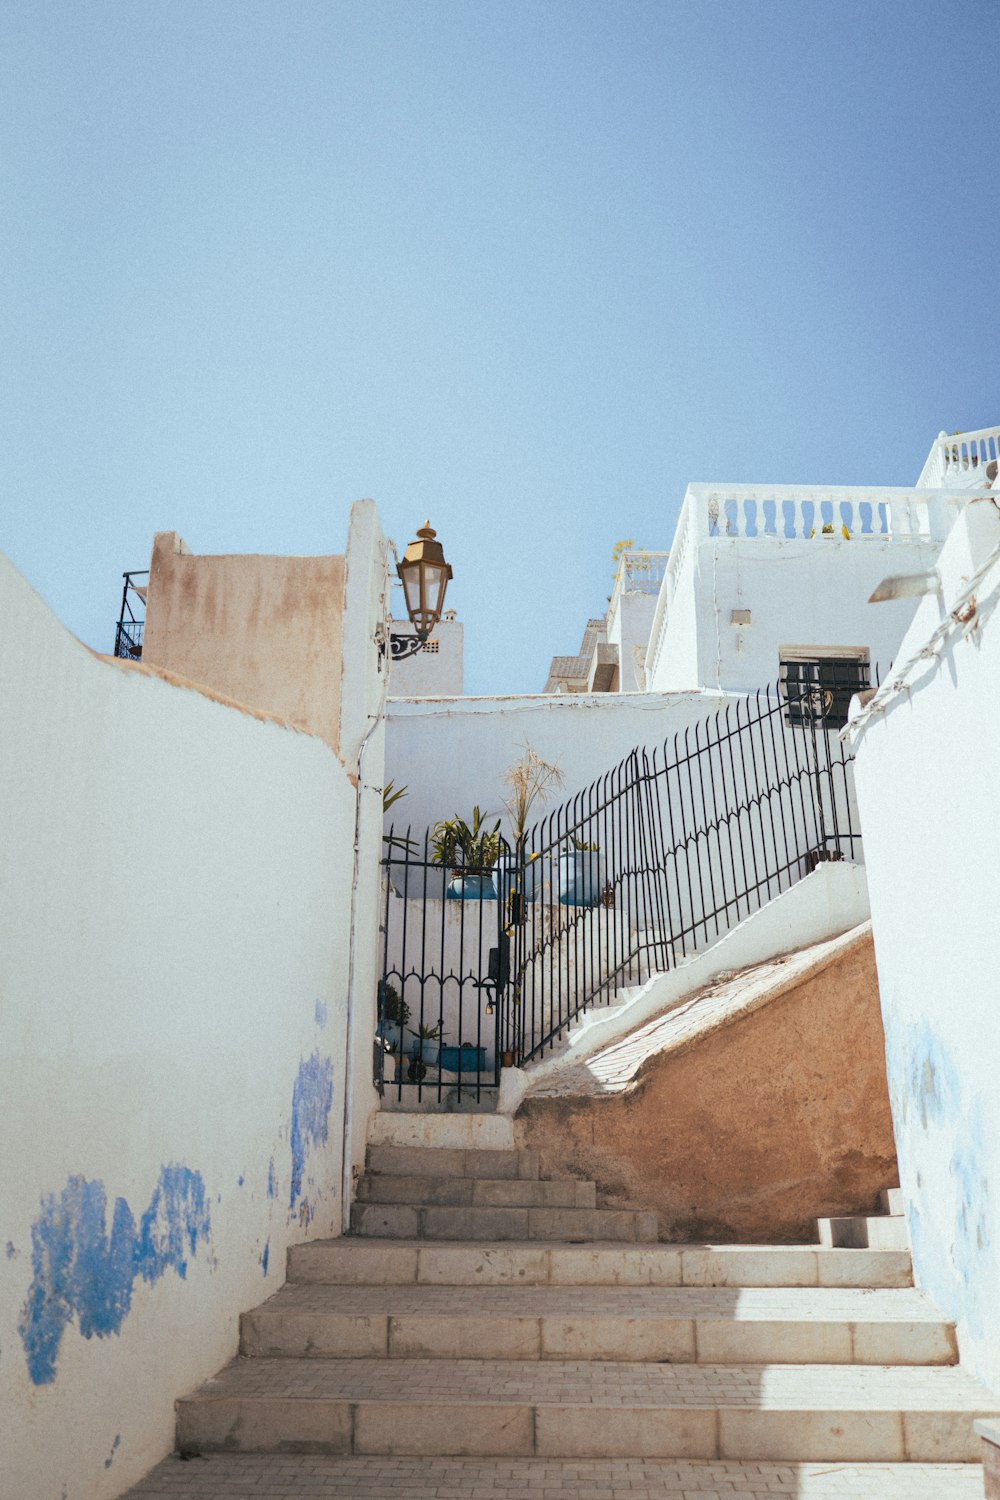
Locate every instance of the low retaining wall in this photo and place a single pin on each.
(750, 1125)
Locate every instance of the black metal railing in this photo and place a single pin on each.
(652, 863)
(132, 619)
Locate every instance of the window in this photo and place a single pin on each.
(818, 684)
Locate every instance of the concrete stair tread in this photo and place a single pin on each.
(696, 1325)
(242, 1475)
(868, 1232)
(362, 1260)
(605, 1383)
(586, 1408)
(441, 1161)
(477, 1192)
(855, 1304)
(457, 1223)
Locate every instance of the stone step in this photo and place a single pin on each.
(477, 1192)
(453, 1132)
(324, 1477)
(360, 1262)
(698, 1325)
(891, 1200)
(858, 1232)
(572, 1225)
(581, 1409)
(430, 1161)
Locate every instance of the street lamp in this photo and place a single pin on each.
(424, 575)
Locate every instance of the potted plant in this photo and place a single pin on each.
(529, 780)
(580, 874)
(417, 1068)
(393, 1014)
(466, 1058)
(469, 851)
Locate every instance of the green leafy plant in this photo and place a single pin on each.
(391, 794)
(529, 780)
(464, 848)
(393, 1013)
(583, 848)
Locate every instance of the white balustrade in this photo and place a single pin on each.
(962, 456)
(769, 514)
(786, 512)
(639, 572)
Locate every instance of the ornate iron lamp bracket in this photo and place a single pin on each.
(402, 646)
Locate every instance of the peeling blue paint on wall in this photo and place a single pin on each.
(272, 1181)
(114, 1449)
(82, 1271)
(320, 1013)
(945, 1150)
(312, 1100)
(265, 1258)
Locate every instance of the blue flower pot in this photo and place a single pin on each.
(462, 1059)
(580, 878)
(471, 888)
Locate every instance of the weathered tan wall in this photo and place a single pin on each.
(751, 1130)
(265, 631)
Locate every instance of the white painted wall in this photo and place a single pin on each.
(175, 910)
(799, 593)
(452, 753)
(927, 787)
(439, 670)
(763, 550)
(629, 625)
(363, 697)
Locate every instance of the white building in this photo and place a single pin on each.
(437, 669)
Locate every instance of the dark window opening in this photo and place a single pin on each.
(821, 688)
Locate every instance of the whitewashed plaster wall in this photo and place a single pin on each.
(175, 910)
(437, 673)
(363, 697)
(801, 592)
(628, 629)
(927, 787)
(452, 752)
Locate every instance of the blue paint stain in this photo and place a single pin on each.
(82, 1270)
(272, 1181)
(266, 1256)
(239, 1180)
(114, 1449)
(11, 1252)
(320, 1013)
(312, 1100)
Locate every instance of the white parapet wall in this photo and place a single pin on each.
(926, 772)
(451, 753)
(830, 901)
(175, 907)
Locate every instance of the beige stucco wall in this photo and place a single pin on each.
(747, 1130)
(265, 631)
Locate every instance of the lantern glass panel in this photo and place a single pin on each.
(411, 588)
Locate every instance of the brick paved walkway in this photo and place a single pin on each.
(251, 1477)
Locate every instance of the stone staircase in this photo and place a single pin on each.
(885, 1231)
(481, 1313)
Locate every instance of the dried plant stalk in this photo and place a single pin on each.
(530, 779)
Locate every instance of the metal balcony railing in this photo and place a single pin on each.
(132, 619)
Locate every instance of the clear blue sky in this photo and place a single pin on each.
(526, 268)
